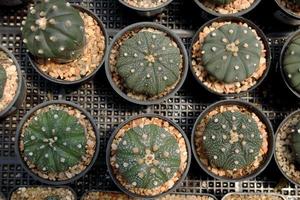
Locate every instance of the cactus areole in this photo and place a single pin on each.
(296, 143)
(148, 157)
(232, 140)
(149, 62)
(54, 30)
(3, 78)
(54, 141)
(231, 53)
(221, 2)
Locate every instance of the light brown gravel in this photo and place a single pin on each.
(231, 8)
(186, 197)
(145, 3)
(183, 155)
(40, 193)
(86, 64)
(230, 173)
(294, 8)
(118, 79)
(90, 144)
(105, 196)
(283, 150)
(253, 197)
(12, 82)
(211, 82)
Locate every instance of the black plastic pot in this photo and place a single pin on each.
(105, 191)
(159, 27)
(236, 20)
(21, 90)
(42, 186)
(86, 78)
(261, 116)
(108, 151)
(12, 2)
(286, 120)
(209, 14)
(18, 136)
(148, 12)
(256, 193)
(286, 16)
(282, 54)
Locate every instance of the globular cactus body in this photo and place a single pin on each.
(3, 79)
(54, 141)
(232, 140)
(221, 2)
(147, 157)
(291, 63)
(54, 30)
(231, 53)
(149, 62)
(296, 143)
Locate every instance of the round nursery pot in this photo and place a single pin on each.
(72, 160)
(287, 15)
(35, 64)
(11, 102)
(239, 127)
(178, 62)
(179, 151)
(209, 81)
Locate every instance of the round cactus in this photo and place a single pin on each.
(149, 62)
(291, 63)
(54, 30)
(147, 157)
(231, 53)
(296, 142)
(231, 140)
(54, 141)
(52, 198)
(3, 79)
(221, 2)
(295, 1)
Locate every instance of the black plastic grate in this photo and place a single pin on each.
(109, 110)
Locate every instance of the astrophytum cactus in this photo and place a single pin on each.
(54, 30)
(54, 141)
(221, 2)
(291, 63)
(232, 140)
(149, 62)
(296, 143)
(147, 157)
(295, 1)
(231, 53)
(3, 79)
(53, 198)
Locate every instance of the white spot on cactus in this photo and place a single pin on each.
(246, 45)
(203, 52)
(32, 137)
(160, 58)
(214, 34)
(23, 23)
(236, 162)
(234, 128)
(33, 11)
(117, 166)
(139, 42)
(68, 23)
(223, 149)
(153, 36)
(223, 126)
(204, 138)
(54, 7)
(141, 175)
(62, 160)
(166, 154)
(148, 76)
(236, 67)
(224, 137)
(216, 120)
(68, 129)
(224, 40)
(292, 52)
(55, 116)
(247, 57)
(65, 144)
(53, 38)
(37, 37)
(33, 28)
(25, 41)
(215, 157)
(251, 150)
(256, 44)
(155, 183)
(55, 138)
(168, 170)
(298, 131)
(68, 4)
(44, 169)
(244, 143)
(132, 70)
(233, 118)
(42, 14)
(224, 57)
(141, 64)
(53, 130)
(79, 146)
(243, 126)
(124, 142)
(125, 164)
(213, 137)
(231, 31)
(46, 1)
(163, 48)
(134, 184)
(245, 31)
(46, 155)
(165, 78)
(40, 51)
(252, 135)
(159, 68)
(152, 46)
(249, 120)
(171, 61)
(135, 55)
(61, 48)
(42, 146)
(152, 170)
(144, 136)
(30, 154)
(214, 49)
(237, 151)
(43, 129)
(163, 135)
(125, 54)
(52, 21)
(177, 151)
(289, 75)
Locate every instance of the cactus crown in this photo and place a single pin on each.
(231, 53)
(54, 141)
(52, 198)
(149, 62)
(296, 142)
(221, 2)
(232, 140)
(291, 63)
(3, 79)
(54, 30)
(148, 156)
(295, 1)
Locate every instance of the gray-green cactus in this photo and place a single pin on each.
(54, 30)
(296, 142)
(291, 63)
(221, 2)
(147, 157)
(232, 140)
(54, 141)
(3, 79)
(55, 197)
(149, 62)
(295, 1)
(231, 53)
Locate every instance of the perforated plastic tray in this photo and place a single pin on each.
(109, 110)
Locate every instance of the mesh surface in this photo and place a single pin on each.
(109, 110)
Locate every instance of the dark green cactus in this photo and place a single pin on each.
(149, 62)
(232, 140)
(3, 79)
(54, 30)
(53, 198)
(221, 2)
(295, 1)
(291, 63)
(148, 157)
(296, 143)
(231, 53)
(54, 141)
